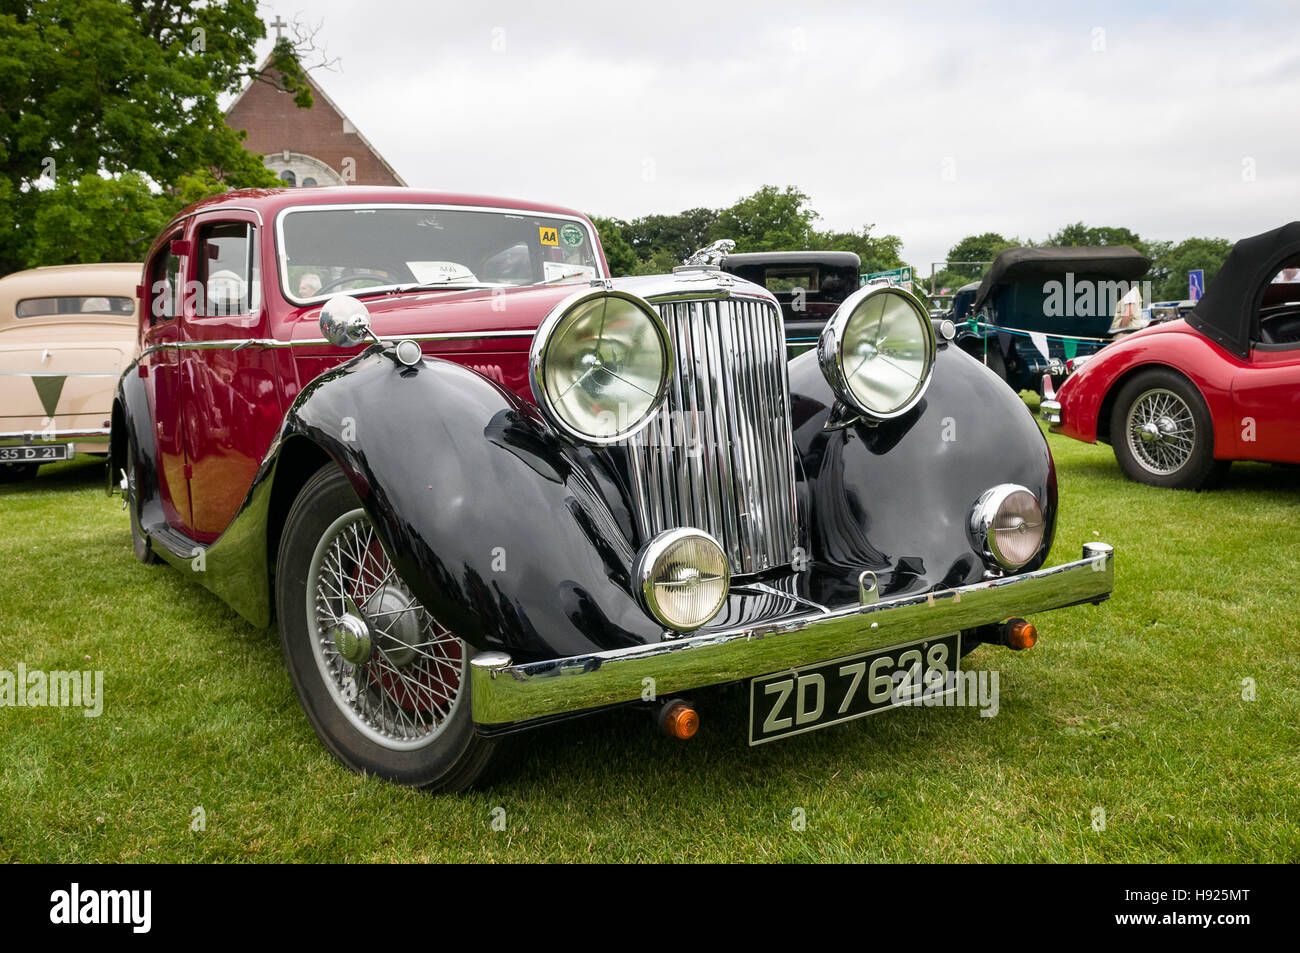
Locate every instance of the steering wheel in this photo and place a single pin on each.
(383, 279)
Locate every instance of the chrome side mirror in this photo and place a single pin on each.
(344, 321)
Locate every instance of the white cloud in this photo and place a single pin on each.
(627, 110)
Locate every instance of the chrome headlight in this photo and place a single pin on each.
(877, 351)
(683, 578)
(600, 365)
(1007, 525)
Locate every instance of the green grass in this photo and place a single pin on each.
(1135, 707)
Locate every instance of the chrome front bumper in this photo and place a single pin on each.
(503, 693)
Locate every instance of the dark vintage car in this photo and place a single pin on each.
(1047, 310)
(482, 487)
(1179, 401)
(808, 285)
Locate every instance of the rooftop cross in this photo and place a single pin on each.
(278, 25)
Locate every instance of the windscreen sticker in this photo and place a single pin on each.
(429, 271)
(571, 235)
(548, 235)
(559, 270)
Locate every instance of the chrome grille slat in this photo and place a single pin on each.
(730, 392)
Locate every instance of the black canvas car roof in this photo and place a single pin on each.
(1114, 262)
(1229, 311)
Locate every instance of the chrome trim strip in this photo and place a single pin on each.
(57, 374)
(56, 436)
(237, 344)
(503, 693)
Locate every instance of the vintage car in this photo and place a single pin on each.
(482, 486)
(808, 285)
(66, 333)
(1047, 310)
(1179, 401)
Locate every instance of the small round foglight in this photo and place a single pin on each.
(600, 365)
(683, 578)
(1007, 525)
(877, 351)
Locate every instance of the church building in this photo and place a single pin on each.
(305, 147)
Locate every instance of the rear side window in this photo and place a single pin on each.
(165, 284)
(74, 304)
(786, 280)
(228, 276)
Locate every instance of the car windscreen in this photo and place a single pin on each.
(325, 251)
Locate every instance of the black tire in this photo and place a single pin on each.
(1162, 434)
(17, 472)
(441, 750)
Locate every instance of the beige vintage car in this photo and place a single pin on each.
(66, 333)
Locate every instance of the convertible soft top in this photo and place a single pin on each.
(1228, 314)
(1113, 262)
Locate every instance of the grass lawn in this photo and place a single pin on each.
(1135, 707)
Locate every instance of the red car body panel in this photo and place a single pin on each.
(1254, 403)
(234, 400)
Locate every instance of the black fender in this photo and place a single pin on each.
(501, 529)
(132, 437)
(896, 496)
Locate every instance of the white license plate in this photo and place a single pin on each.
(36, 453)
(828, 693)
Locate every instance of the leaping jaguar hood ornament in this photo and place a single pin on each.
(711, 256)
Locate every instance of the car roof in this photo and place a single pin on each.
(1115, 262)
(104, 279)
(270, 201)
(836, 259)
(1228, 313)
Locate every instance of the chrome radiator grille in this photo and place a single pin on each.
(720, 456)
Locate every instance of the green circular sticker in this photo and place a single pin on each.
(571, 235)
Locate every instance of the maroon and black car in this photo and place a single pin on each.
(482, 486)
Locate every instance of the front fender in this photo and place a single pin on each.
(896, 497)
(503, 531)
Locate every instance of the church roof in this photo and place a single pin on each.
(254, 101)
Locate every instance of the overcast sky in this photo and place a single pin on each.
(930, 120)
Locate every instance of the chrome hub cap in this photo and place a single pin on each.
(1161, 431)
(394, 672)
(351, 637)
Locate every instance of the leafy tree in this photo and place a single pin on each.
(618, 253)
(771, 219)
(680, 235)
(1169, 280)
(878, 253)
(97, 219)
(124, 89)
(1081, 234)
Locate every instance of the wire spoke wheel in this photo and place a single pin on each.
(1161, 431)
(389, 666)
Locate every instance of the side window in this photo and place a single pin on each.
(164, 284)
(228, 274)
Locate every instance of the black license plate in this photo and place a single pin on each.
(37, 453)
(827, 693)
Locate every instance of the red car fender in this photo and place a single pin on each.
(1088, 395)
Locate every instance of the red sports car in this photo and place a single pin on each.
(1180, 401)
